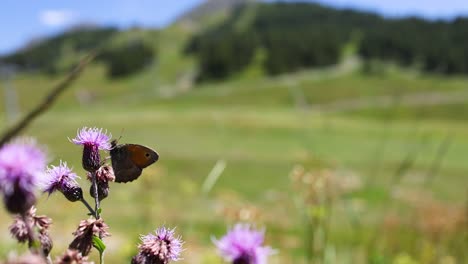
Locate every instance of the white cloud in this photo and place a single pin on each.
(57, 17)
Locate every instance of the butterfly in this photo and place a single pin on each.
(129, 160)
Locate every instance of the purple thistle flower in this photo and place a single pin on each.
(63, 179)
(22, 163)
(93, 136)
(159, 248)
(93, 140)
(243, 245)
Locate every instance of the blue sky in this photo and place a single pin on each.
(22, 20)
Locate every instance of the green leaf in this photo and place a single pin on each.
(98, 244)
(99, 210)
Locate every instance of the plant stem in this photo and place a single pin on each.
(101, 257)
(96, 195)
(88, 206)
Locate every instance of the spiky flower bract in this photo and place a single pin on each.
(61, 178)
(159, 248)
(93, 140)
(22, 163)
(243, 244)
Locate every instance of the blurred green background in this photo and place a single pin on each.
(342, 132)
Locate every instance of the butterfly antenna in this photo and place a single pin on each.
(115, 141)
(121, 134)
(105, 160)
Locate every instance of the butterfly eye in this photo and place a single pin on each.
(147, 155)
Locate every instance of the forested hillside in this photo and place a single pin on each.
(48, 54)
(122, 51)
(301, 35)
(280, 37)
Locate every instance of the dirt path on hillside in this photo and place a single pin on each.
(388, 101)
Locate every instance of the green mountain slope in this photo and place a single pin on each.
(298, 35)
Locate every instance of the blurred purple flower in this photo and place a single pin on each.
(22, 163)
(63, 179)
(242, 244)
(159, 248)
(92, 139)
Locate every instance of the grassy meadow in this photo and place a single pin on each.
(396, 170)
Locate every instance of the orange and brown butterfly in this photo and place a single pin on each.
(129, 160)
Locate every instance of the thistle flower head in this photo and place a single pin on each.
(92, 139)
(63, 179)
(104, 175)
(242, 244)
(20, 230)
(159, 248)
(22, 163)
(41, 222)
(93, 136)
(83, 241)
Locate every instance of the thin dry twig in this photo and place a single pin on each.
(48, 100)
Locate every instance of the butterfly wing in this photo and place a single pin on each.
(129, 160)
(142, 156)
